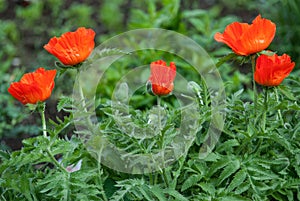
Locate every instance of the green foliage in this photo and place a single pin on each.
(41, 180)
(137, 189)
(156, 14)
(80, 15)
(256, 158)
(203, 26)
(111, 15)
(32, 14)
(9, 36)
(242, 166)
(3, 5)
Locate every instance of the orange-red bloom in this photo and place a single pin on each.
(245, 39)
(33, 87)
(271, 70)
(72, 47)
(162, 77)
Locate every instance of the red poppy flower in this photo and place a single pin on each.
(33, 87)
(72, 47)
(245, 39)
(271, 70)
(162, 77)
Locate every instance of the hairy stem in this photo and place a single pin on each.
(82, 100)
(100, 176)
(265, 109)
(254, 83)
(56, 163)
(159, 118)
(42, 113)
(48, 151)
(161, 134)
(88, 123)
(279, 111)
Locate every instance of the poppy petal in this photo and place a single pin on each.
(272, 70)
(72, 48)
(162, 77)
(245, 39)
(33, 87)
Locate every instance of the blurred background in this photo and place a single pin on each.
(27, 25)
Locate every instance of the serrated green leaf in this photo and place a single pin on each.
(262, 187)
(218, 165)
(230, 169)
(292, 183)
(242, 188)
(228, 144)
(175, 194)
(258, 173)
(145, 192)
(290, 195)
(212, 157)
(25, 187)
(4, 155)
(238, 93)
(225, 59)
(278, 196)
(279, 164)
(208, 187)
(64, 102)
(280, 140)
(238, 179)
(127, 186)
(158, 192)
(190, 181)
(233, 197)
(286, 92)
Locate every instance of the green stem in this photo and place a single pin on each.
(151, 180)
(55, 161)
(67, 195)
(159, 117)
(100, 176)
(155, 178)
(165, 177)
(265, 110)
(264, 118)
(82, 100)
(254, 83)
(85, 121)
(48, 151)
(161, 134)
(42, 113)
(88, 122)
(178, 171)
(279, 111)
